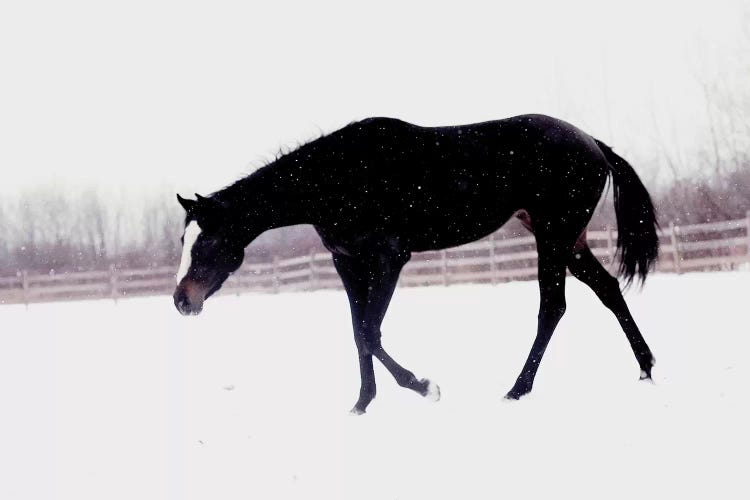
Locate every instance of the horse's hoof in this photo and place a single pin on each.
(516, 394)
(646, 373)
(646, 377)
(433, 390)
(356, 411)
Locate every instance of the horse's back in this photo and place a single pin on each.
(503, 150)
(449, 185)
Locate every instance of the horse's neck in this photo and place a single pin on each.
(268, 199)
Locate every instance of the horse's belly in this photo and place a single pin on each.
(458, 229)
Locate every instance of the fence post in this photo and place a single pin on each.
(25, 286)
(493, 278)
(673, 230)
(444, 258)
(313, 276)
(276, 279)
(113, 282)
(610, 246)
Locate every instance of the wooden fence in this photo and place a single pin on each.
(710, 246)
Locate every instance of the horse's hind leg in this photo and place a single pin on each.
(584, 266)
(370, 284)
(553, 254)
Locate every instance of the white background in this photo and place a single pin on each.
(192, 95)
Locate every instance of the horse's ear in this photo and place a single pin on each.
(188, 205)
(211, 204)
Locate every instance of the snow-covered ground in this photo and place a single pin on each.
(250, 400)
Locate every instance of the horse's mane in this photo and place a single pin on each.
(283, 153)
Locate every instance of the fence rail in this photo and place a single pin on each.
(708, 246)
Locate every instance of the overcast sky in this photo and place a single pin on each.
(192, 95)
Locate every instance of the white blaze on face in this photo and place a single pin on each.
(191, 236)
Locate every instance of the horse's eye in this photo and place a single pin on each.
(210, 243)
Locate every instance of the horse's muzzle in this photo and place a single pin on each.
(188, 304)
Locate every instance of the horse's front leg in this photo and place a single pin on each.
(355, 284)
(370, 283)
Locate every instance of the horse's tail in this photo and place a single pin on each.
(637, 240)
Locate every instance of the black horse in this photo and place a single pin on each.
(379, 189)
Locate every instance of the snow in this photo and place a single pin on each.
(132, 400)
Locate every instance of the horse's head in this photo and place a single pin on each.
(211, 251)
